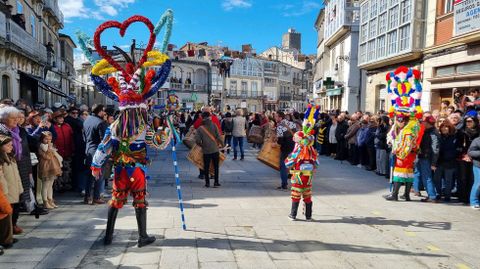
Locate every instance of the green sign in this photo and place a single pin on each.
(329, 83)
(334, 92)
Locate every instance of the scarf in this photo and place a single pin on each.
(17, 142)
(16, 139)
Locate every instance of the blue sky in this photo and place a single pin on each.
(225, 22)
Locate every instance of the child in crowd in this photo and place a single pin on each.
(10, 190)
(49, 168)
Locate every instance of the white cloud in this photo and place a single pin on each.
(111, 7)
(231, 4)
(76, 8)
(290, 10)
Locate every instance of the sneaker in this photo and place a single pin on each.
(234, 159)
(475, 206)
(292, 218)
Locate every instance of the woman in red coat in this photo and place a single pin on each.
(66, 146)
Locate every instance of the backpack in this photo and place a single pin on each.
(228, 126)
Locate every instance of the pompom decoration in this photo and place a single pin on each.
(123, 28)
(405, 92)
(166, 19)
(84, 42)
(159, 79)
(103, 87)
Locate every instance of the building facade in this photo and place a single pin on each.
(292, 40)
(30, 51)
(244, 85)
(340, 81)
(391, 34)
(452, 55)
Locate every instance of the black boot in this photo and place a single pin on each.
(406, 194)
(293, 213)
(394, 195)
(143, 238)
(112, 216)
(308, 211)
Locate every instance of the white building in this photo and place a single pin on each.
(340, 71)
(391, 34)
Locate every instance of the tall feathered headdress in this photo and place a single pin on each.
(405, 92)
(133, 83)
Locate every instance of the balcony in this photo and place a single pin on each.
(249, 95)
(285, 97)
(3, 26)
(17, 36)
(297, 81)
(188, 87)
(52, 7)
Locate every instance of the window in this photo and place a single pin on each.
(381, 46)
(364, 11)
(373, 8)
(19, 7)
(468, 67)
(5, 86)
(393, 17)
(406, 10)
(244, 89)
(448, 6)
(233, 87)
(269, 82)
(392, 42)
(382, 23)
(254, 89)
(373, 28)
(405, 37)
(363, 53)
(44, 36)
(364, 33)
(371, 50)
(382, 5)
(445, 70)
(393, 2)
(32, 25)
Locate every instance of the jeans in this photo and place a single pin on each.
(228, 141)
(92, 183)
(207, 158)
(381, 161)
(283, 170)
(443, 178)
(424, 167)
(238, 141)
(475, 193)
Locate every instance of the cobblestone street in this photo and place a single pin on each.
(244, 224)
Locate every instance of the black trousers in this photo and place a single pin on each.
(363, 155)
(353, 154)
(464, 181)
(16, 213)
(342, 150)
(372, 160)
(207, 158)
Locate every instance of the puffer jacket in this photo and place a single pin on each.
(11, 181)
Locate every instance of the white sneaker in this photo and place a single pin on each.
(475, 206)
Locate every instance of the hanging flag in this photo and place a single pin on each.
(191, 53)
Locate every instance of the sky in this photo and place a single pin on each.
(218, 22)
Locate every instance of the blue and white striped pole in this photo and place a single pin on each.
(177, 175)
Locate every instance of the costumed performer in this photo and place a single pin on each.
(302, 163)
(405, 92)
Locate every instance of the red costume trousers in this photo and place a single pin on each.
(123, 185)
(301, 187)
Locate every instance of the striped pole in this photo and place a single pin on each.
(177, 176)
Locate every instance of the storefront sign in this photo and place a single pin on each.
(334, 92)
(467, 16)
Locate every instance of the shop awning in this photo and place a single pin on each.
(44, 85)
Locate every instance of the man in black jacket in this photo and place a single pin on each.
(78, 163)
(285, 131)
(428, 157)
(93, 132)
(340, 133)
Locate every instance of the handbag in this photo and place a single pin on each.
(33, 158)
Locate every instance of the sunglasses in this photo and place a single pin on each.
(401, 119)
(469, 121)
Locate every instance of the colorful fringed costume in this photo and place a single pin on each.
(302, 163)
(405, 93)
(126, 139)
